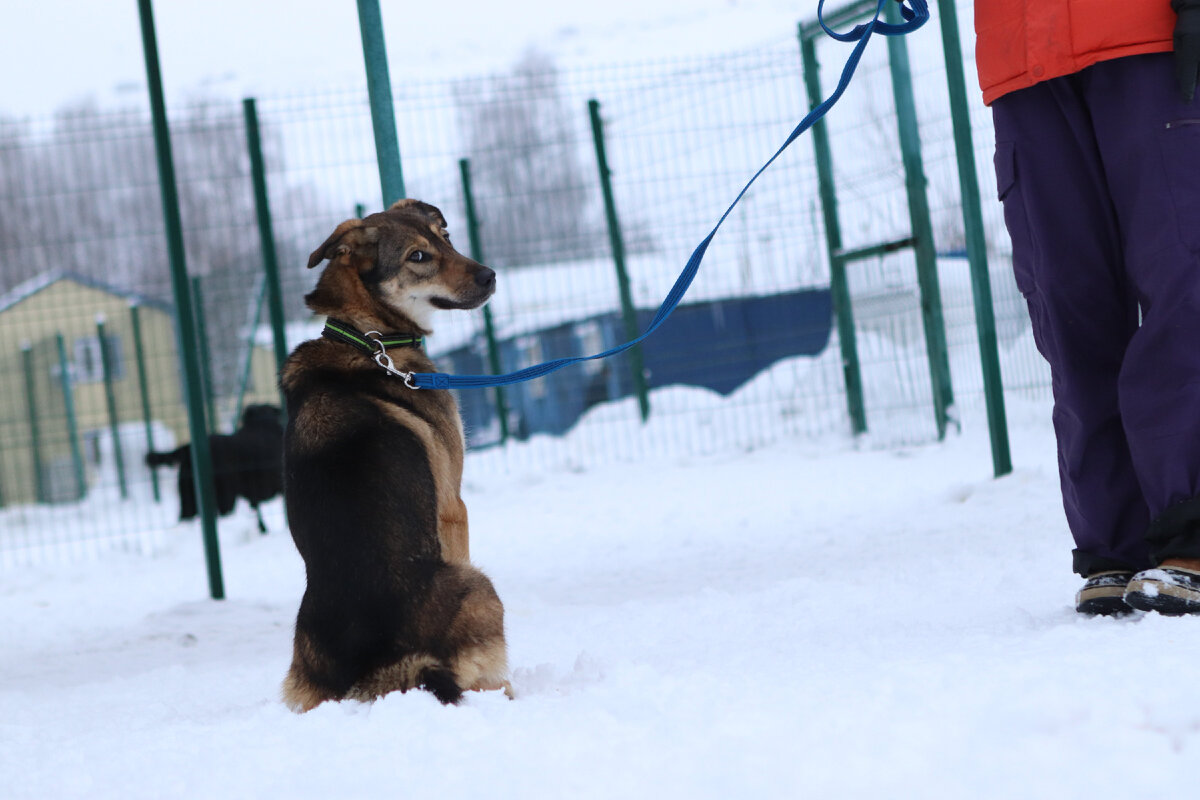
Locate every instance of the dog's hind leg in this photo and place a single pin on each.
(475, 636)
(262, 526)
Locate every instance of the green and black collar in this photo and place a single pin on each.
(371, 342)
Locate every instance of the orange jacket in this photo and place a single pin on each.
(1021, 42)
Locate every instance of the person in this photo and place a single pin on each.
(1098, 169)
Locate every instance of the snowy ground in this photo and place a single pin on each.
(804, 620)
(809, 619)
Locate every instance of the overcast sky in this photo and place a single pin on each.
(67, 51)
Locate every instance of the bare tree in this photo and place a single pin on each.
(536, 203)
(85, 198)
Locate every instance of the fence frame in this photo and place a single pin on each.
(921, 224)
(981, 286)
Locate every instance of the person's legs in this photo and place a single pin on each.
(1149, 139)
(1068, 260)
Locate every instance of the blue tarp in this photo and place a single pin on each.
(717, 344)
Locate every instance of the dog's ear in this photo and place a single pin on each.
(344, 239)
(350, 250)
(431, 214)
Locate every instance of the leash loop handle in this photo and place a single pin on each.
(914, 18)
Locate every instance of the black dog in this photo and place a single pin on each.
(246, 463)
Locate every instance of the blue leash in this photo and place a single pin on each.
(914, 18)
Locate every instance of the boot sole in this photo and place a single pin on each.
(1103, 594)
(1104, 606)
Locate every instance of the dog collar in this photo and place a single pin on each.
(375, 344)
(370, 342)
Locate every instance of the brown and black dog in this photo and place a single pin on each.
(372, 474)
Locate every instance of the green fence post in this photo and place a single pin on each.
(35, 437)
(838, 285)
(64, 377)
(262, 206)
(135, 320)
(922, 225)
(201, 457)
(379, 90)
(248, 363)
(489, 326)
(206, 373)
(110, 400)
(981, 287)
(628, 313)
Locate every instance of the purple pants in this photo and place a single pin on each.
(1099, 173)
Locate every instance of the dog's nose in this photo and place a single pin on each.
(485, 278)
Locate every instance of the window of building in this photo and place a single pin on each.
(89, 363)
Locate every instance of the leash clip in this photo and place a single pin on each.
(384, 360)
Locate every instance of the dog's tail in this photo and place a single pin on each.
(176, 456)
(442, 682)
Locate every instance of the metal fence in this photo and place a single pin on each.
(89, 378)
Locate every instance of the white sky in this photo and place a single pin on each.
(67, 51)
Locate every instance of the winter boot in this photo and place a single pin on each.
(1103, 593)
(1172, 588)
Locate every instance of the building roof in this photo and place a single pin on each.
(25, 290)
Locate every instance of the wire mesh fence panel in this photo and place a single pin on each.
(89, 373)
(87, 333)
(681, 140)
(74, 432)
(682, 137)
(870, 187)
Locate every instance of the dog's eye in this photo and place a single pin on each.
(418, 256)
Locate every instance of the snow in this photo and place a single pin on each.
(812, 618)
(774, 612)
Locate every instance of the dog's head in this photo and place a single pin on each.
(262, 415)
(396, 267)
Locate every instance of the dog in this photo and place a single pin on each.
(372, 476)
(246, 463)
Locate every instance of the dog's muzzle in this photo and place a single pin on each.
(485, 279)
